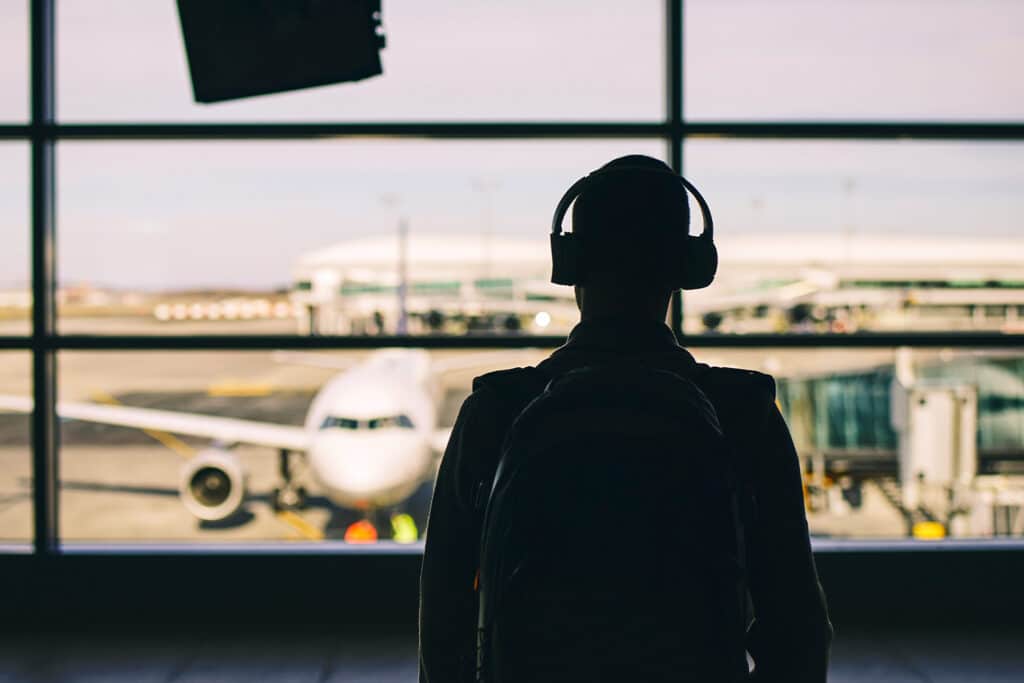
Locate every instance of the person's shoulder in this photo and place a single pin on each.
(502, 377)
(511, 382)
(740, 380)
(497, 397)
(737, 393)
(499, 394)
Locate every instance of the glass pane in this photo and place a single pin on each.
(447, 59)
(846, 59)
(14, 61)
(847, 236)
(918, 443)
(879, 433)
(15, 457)
(288, 237)
(160, 476)
(15, 292)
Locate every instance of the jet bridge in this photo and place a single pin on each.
(938, 466)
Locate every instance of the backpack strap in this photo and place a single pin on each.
(741, 397)
(514, 388)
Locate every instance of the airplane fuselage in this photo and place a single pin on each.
(370, 429)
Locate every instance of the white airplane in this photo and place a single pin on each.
(370, 436)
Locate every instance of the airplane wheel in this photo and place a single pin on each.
(288, 498)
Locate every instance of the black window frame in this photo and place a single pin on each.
(43, 132)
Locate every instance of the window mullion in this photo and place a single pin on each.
(674, 104)
(44, 380)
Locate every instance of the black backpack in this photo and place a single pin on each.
(612, 543)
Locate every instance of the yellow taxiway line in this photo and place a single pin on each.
(305, 528)
(172, 442)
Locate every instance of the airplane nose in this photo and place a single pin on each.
(373, 469)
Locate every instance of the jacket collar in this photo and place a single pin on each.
(622, 334)
(613, 339)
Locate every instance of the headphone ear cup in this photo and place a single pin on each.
(699, 263)
(565, 259)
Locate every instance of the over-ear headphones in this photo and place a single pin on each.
(697, 256)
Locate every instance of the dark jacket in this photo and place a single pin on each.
(791, 633)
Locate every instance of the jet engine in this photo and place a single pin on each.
(213, 484)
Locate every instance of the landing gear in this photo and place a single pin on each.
(288, 496)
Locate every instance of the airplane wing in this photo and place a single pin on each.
(227, 430)
(439, 439)
(485, 360)
(313, 360)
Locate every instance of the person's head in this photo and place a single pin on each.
(628, 226)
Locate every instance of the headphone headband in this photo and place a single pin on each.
(697, 260)
(577, 188)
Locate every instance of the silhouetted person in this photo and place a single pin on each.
(630, 222)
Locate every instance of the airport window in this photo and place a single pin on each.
(227, 298)
(169, 483)
(15, 300)
(940, 60)
(14, 61)
(881, 235)
(202, 424)
(880, 439)
(444, 63)
(15, 460)
(309, 236)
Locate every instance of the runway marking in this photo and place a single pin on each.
(305, 528)
(169, 440)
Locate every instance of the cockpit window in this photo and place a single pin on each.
(400, 421)
(332, 422)
(391, 421)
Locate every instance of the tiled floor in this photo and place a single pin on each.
(296, 658)
(978, 656)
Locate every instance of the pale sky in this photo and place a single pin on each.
(177, 215)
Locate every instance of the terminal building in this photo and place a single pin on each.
(819, 282)
(437, 282)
